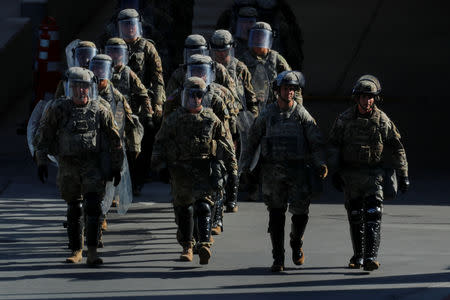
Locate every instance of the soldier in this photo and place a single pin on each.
(264, 64)
(245, 21)
(130, 86)
(190, 141)
(82, 55)
(81, 131)
(365, 146)
(290, 142)
(222, 51)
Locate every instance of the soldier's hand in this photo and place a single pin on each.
(337, 182)
(43, 173)
(403, 184)
(117, 178)
(322, 171)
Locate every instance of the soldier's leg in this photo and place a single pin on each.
(75, 229)
(355, 215)
(231, 190)
(298, 227)
(204, 222)
(143, 160)
(185, 222)
(277, 220)
(217, 225)
(93, 211)
(372, 214)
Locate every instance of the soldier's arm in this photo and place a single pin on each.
(334, 144)
(225, 149)
(282, 64)
(250, 97)
(112, 133)
(133, 128)
(154, 64)
(46, 134)
(399, 161)
(314, 138)
(224, 78)
(163, 138)
(255, 134)
(140, 95)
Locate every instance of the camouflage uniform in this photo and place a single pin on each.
(287, 139)
(190, 144)
(264, 69)
(86, 141)
(364, 148)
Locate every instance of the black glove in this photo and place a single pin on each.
(148, 123)
(337, 182)
(117, 177)
(403, 183)
(43, 173)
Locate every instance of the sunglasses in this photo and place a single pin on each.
(196, 94)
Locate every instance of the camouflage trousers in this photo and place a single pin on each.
(362, 183)
(285, 184)
(78, 176)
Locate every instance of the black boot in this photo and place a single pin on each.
(277, 220)
(75, 230)
(217, 225)
(204, 222)
(297, 230)
(232, 188)
(185, 222)
(372, 233)
(355, 219)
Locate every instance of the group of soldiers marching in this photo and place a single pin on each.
(232, 112)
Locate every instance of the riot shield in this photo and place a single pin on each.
(261, 85)
(244, 122)
(119, 117)
(70, 50)
(255, 158)
(124, 190)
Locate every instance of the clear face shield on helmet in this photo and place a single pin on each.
(188, 52)
(203, 71)
(83, 56)
(222, 55)
(101, 68)
(192, 98)
(243, 26)
(118, 53)
(79, 90)
(260, 38)
(130, 28)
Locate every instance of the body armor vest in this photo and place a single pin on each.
(284, 138)
(121, 81)
(363, 141)
(79, 133)
(194, 136)
(263, 72)
(232, 70)
(136, 59)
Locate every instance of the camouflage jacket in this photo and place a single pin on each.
(301, 126)
(67, 129)
(360, 142)
(129, 128)
(130, 86)
(144, 60)
(187, 137)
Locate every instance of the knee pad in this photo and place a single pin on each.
(184, 211)
(93, 205)
(373, 209)
(202, 209)
(74, 210)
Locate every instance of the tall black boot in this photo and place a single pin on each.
(93, 211)
(355, 219)
(231, 192)
(217, 224)
(75, 230)
(277, 220)
(185, 217)
(204, 222)
(298, 227)
(372, 233)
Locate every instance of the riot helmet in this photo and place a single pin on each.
(245, 21)
(129, 24)
(201, 66)
(222, 46)
(368, 85)
(194, 44)
(101, 66)
(293, 80)
(117, 49)
(80, 84)
(194, 90)
(84, 52)
(260, 36)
